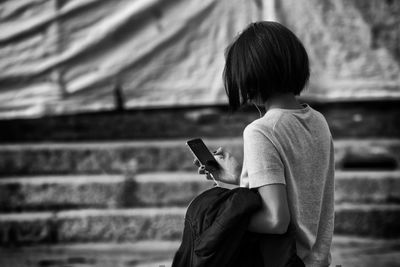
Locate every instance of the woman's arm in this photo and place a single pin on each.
(274, 216)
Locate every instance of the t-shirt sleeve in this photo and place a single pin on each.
(264, 165)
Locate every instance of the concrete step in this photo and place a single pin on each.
(349, 251)
(379, 220)
(346, 251)
(161, 189)
(151, 253)
(92, 225)
(100, 191)
(357, 119)
(171, 155)
(131, 225)
(367, 186)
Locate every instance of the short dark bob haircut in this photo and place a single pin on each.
(266, 59)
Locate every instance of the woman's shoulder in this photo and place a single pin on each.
(265, 125)
(268, 121)
(277, 120)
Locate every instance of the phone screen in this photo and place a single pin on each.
(200, 151)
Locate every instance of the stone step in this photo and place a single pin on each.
(162, 189)
(367, 186)
(131, 225)
(152, 253)
(350, 251)
(345, 250)
(347, 119)
(92, 225)
(379, 220)
(166, 155)
(100, 191)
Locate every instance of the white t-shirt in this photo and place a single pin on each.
(295, 148)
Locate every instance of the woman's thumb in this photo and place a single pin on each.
(218, 151)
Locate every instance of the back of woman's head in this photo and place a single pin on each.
(264, 60)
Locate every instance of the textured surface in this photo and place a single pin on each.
(367, 187)
(353, 44)
(346, 251)
(117, 225)
(347, 119)
(63, 57)
(91, 226)
(100, 191)
(54, 177)
(139, 254)
(162, 189)
(367, 220)
(172, 155)
(66, 57)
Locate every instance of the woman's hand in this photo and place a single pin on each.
(227, 171)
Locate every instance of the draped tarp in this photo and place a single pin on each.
(59, 56)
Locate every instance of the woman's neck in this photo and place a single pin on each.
(284, 101)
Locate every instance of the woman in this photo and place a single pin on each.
(288, 152)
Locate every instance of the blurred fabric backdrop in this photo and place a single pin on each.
(65, 56)
(97, 99)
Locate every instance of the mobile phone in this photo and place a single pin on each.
(201, 152)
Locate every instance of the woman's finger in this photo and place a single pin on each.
(201, 170)
(196, 162)
(219, 151)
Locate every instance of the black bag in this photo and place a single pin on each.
(215, 234)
